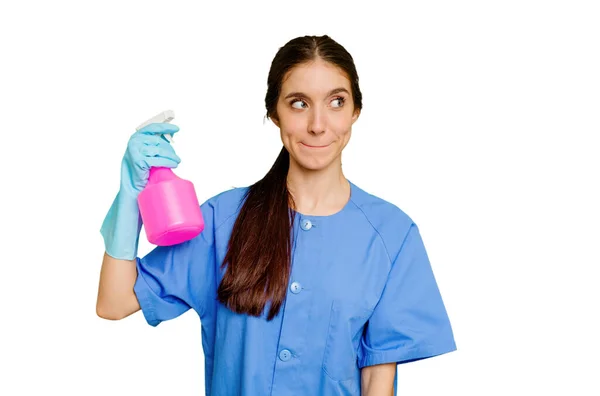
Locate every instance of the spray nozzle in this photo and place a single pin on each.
(165, 116)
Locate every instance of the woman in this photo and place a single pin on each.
(305, 284)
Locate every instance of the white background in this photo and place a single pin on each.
(480, 121)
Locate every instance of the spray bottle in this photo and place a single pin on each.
(168, 204)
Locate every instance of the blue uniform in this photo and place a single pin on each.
(361, 292)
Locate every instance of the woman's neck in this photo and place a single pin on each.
(319, 193)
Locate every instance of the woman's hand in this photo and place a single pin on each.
(147, 148)
(122, 225)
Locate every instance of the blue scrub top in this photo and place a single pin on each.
(361, 292)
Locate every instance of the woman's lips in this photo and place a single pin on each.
(309, 146)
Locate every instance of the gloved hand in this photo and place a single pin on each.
(122, 225)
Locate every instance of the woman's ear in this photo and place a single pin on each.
(275, 121)
(355, 115)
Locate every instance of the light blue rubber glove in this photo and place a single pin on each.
(123, 223)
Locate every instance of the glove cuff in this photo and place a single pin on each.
(121, 228)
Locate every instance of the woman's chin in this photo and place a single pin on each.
(314, 164)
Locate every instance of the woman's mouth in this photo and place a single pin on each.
(313, 147)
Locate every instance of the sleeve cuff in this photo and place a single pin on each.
(403, 355)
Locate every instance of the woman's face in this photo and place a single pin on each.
(315, 114)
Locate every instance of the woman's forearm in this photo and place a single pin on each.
(116, 297)
(378, 380)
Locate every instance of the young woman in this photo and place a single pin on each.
(304, 283)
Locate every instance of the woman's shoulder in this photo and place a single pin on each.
(378, 208)
(387, 219)
(225, 203)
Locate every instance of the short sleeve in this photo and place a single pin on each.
(410, 321)
(173, 279)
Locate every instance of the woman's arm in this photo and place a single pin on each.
(116, 298)
(378, 380)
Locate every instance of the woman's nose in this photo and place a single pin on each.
(318, 122)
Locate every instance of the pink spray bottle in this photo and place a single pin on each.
(168, 204)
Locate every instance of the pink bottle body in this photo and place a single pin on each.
(169, 208)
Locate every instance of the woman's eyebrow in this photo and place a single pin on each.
(303, 95)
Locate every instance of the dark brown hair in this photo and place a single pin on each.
(258, 260)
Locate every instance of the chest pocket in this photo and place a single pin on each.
(346, 324)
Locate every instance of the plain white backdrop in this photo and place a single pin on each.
(480, 120)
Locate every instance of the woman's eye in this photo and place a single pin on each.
(340, 101)
(298, 101)
(301, 104)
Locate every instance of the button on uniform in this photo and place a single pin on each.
(306, 225)
(285, 355)
(296, 287)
